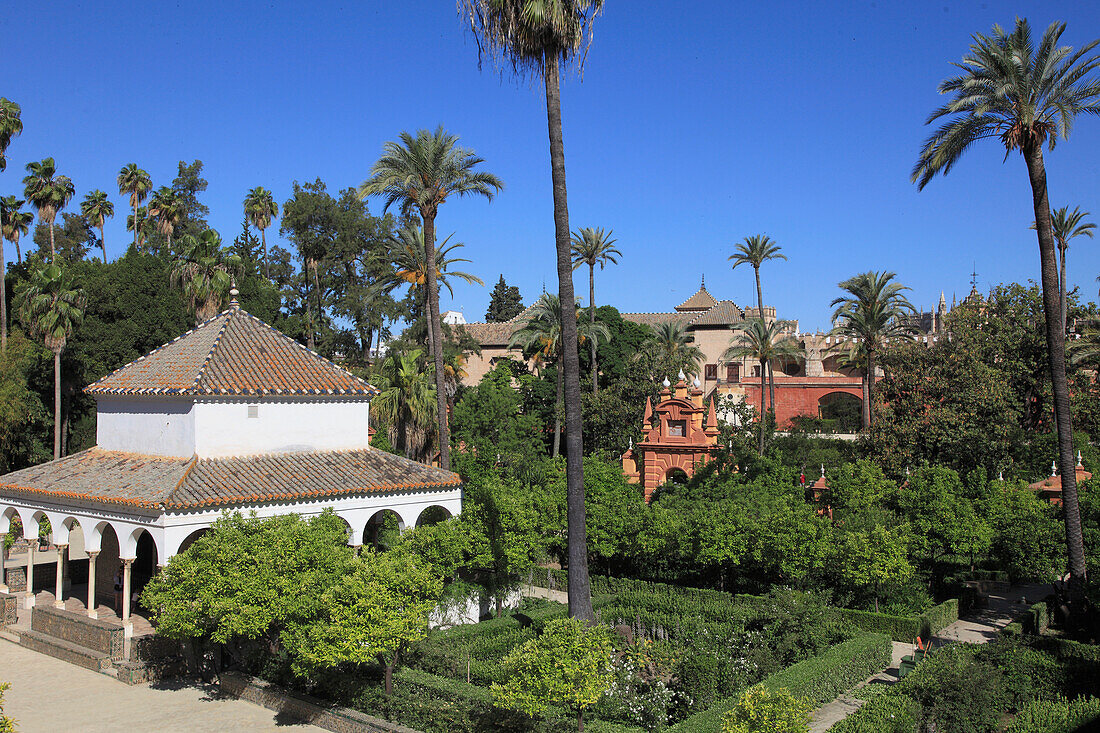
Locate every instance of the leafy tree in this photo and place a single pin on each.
(373, 612)
(1066, 225)
(568, 665)
(47, 192)
(505, 303)
(593, 247)
(203, 271)
(166, 212)
(72, 240)
(23, 417)
(405, 404)
(260, 209)
(618, 355)
(755, 250)
(765, 342)
(135, 182)
(872, 559)
(670, 347)
(489, 419)
(51, 307)
(537, 36)
(310, 218)
(1026, 95)
(421, 173)
(871, 314)
(11, 125)
(942, 521)
(187, 185)
(15, 223)
(96, 209)
(1026, 540)
(762, 710)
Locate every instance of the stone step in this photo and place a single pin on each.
(65, 651)
(10, 634)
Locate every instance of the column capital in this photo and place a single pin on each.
(127, 561)
(91, 553)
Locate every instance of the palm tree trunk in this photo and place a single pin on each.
(53, 251)
(557, 412)
(866, 407)
(136, 245)
(18, 251)
(580, 589)
(868, 411)
(763, 377)
(1056, 348)
(760, 313)
(103, 241)
(437, 340)
(592, 320)
(56, 404)
(1062, 286)
(3, 302)
(267, 265)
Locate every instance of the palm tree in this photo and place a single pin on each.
(1025, 95)
(1065, 226)
(871, 313)
(48, 193)
(421, 173)
(261, 209)
(16, 223)
(1085, 350)
(537, 36)
(97, 209)
(544, 334)
(593, 247)
(51, 308)
(166, 210)
(135, 182)
(138, 223)
(406, 252)
(11, 125)
(406, 403)
(670, 345)
(755, 250)
(204, 271)
(763, 341)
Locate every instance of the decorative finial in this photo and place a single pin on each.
(1053, 468)
(666, 384)
(1078, 457)
(1000, 475)
(822, 470)
(696, 383)
(233, 293)
(631, 444)
(907, 472)
(703, 282)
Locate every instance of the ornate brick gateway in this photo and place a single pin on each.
(680, 434)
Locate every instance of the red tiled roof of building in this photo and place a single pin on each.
(653, 319)
(233, 353)
(702, 300)
(499, 333)
(113, 477)
(723, 313)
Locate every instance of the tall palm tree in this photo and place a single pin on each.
(48, 192)
(757, 339)
(138, 223)
(545, 336)
(872, 312)
(135, 182)
(406, 252)
(11, 219)
(670, 345)
(1025, 95)
(755, 250)
(166, 211)
(204, 271)
(11, 125)
(406, 403)
(51, 307)
(1066, 225)
(16, 222)
(420, 173)
(593, 247)
(97, 209)
(537, 37)
(261, 210)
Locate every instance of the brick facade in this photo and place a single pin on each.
(796, 396)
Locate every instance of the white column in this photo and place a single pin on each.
(127, 624)
(28, 596)
(59, 601)
(92, 554)
(3, 558)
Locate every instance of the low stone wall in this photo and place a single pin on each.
(152, 659)
(90, 633)
(17, 579)
(9, 609)
(305, 707)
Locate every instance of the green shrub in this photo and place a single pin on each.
(761, 710)
(957, 691)
(939, 617)
(886, 713)
(898, 628)
(841, 667)
(1057, 716)
(1036, 619)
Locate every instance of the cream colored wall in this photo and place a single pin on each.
(477, 366)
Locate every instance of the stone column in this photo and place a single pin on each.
(59, 601)
(127, 624)
(3, 569)
(92, 555)
(28, 596)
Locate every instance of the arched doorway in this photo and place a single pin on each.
(383, 529)
(843, 411)
(432, 515)
(190, 539)
(144, 568)
(676, 476)
(107, 568)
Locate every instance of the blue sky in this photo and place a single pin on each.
(687, 133)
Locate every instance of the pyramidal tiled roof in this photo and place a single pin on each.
(233, 353)
(722, 314)
(702, 300)
(115, 477)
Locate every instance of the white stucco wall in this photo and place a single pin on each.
(157, 426)
(223, 427)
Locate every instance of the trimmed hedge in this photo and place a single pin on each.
(1058, 716)
(940, 617)
(898, 628)
(883, 714)
(1036, 619)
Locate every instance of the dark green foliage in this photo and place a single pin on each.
(1058, 716)
(839, 668)
(505, 302)
(489, 419)
(73, 238)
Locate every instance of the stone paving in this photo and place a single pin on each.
(49, 695)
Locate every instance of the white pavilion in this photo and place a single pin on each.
(232, 415)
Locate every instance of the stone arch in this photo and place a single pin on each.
(146, 561)
(75, 536)
(432, 515)
(842, 406)
(375, 526)
(676, 475)
(190, 539)
(36, 518)
(6, 516)
(107, 544)
(350, 531)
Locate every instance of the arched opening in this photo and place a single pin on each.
(190, 539)
(108, 569)
(144, 567)
(383, 529)
(676, 476)
(841, 412)
(792, 368)
(432, 515)
(76, 562)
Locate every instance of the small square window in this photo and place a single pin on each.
(253, 410)
(711, 372)
(676, 428)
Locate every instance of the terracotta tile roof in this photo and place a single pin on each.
(112, 477)
(498, 334)
(652, 319)
(233, 353)
(722, 314)
(700, 301)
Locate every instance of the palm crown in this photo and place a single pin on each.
(543, 330)
(48, 192)
(11, 124)
(96, 208)
(261, 209)
(873, 310)
(1068, 224)
(166, 211)
(406, 403)
(135, 182)
(671, 348)
(204, 272)
(526, 31)
(14, 222)
(762, 340)
(593, 247)
(51, 307)
(410, 262)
